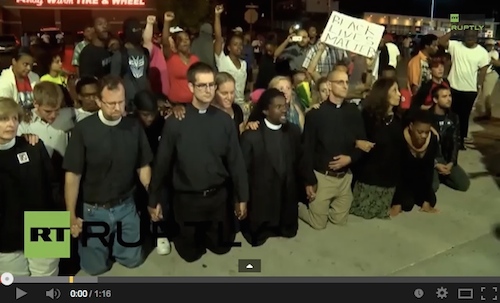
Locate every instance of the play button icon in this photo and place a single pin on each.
(20, 293)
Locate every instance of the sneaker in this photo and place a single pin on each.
(163, 246)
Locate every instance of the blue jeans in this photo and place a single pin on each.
(94, 258)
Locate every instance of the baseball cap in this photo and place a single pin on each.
(238, 30)
(175, 29)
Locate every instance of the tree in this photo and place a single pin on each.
(188, 13)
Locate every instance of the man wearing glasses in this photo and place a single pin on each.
(200, 159)
(104, 154)
(330, 133)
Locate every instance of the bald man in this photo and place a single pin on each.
(329, 155)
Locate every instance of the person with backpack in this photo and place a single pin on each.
(131, 62)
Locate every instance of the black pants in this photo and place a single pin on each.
(462, 105)
(70, 266)
(205, 222)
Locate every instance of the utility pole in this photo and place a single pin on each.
(432, 14)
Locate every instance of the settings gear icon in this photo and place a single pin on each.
(442, 293)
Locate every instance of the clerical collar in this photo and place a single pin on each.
(8, 145)
(272, 126)
(334, 104)
(106, 121)
(199, 111)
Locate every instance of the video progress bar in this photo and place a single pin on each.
(56, 280)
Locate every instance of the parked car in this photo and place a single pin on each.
(52, 36)
(8, 44)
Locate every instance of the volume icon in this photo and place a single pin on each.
(53, 293)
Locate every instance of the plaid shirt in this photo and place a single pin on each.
(76, 53)
(331, 57)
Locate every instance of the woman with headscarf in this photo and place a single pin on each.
(203, 46)
(146, 104)
(146, 111)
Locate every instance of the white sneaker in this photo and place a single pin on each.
(163, 246)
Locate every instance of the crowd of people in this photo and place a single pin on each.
(167, 131)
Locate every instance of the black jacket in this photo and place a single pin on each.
(27, 183)
(423, 92)
(449, 136)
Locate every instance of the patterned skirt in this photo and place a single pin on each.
(371, 201)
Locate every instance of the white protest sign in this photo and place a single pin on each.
(352, 34)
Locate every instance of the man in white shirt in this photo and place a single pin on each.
(470, 62)
(48, 121)
(52, 124)
(484, 102)
(394, 54)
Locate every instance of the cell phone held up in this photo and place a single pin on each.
(296, 38)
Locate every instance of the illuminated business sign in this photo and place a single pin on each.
(83, 3)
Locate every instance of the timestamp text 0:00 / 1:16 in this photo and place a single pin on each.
(93, 293)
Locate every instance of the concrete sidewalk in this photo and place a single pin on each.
(455, 242)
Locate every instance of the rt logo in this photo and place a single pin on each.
(41, 241)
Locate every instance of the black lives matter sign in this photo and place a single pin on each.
(352, 34)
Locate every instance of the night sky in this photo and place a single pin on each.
(443, 8)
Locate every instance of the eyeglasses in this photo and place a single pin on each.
(113, 104)
(210, 85)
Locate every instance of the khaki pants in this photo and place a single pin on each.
(332, 203)
(18, 265)
(484, 102)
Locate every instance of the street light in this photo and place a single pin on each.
(432, 14)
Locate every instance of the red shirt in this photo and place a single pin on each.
(24, 92)
(405, 98)
(428, 99)
(177, 72)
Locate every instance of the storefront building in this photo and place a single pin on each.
(71, 16)
(403, 25)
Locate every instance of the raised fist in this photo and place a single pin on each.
(169, 16)
(151, 19)
(219, 9)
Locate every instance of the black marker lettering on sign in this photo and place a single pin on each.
(351, 34)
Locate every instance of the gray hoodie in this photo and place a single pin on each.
(203, 46)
